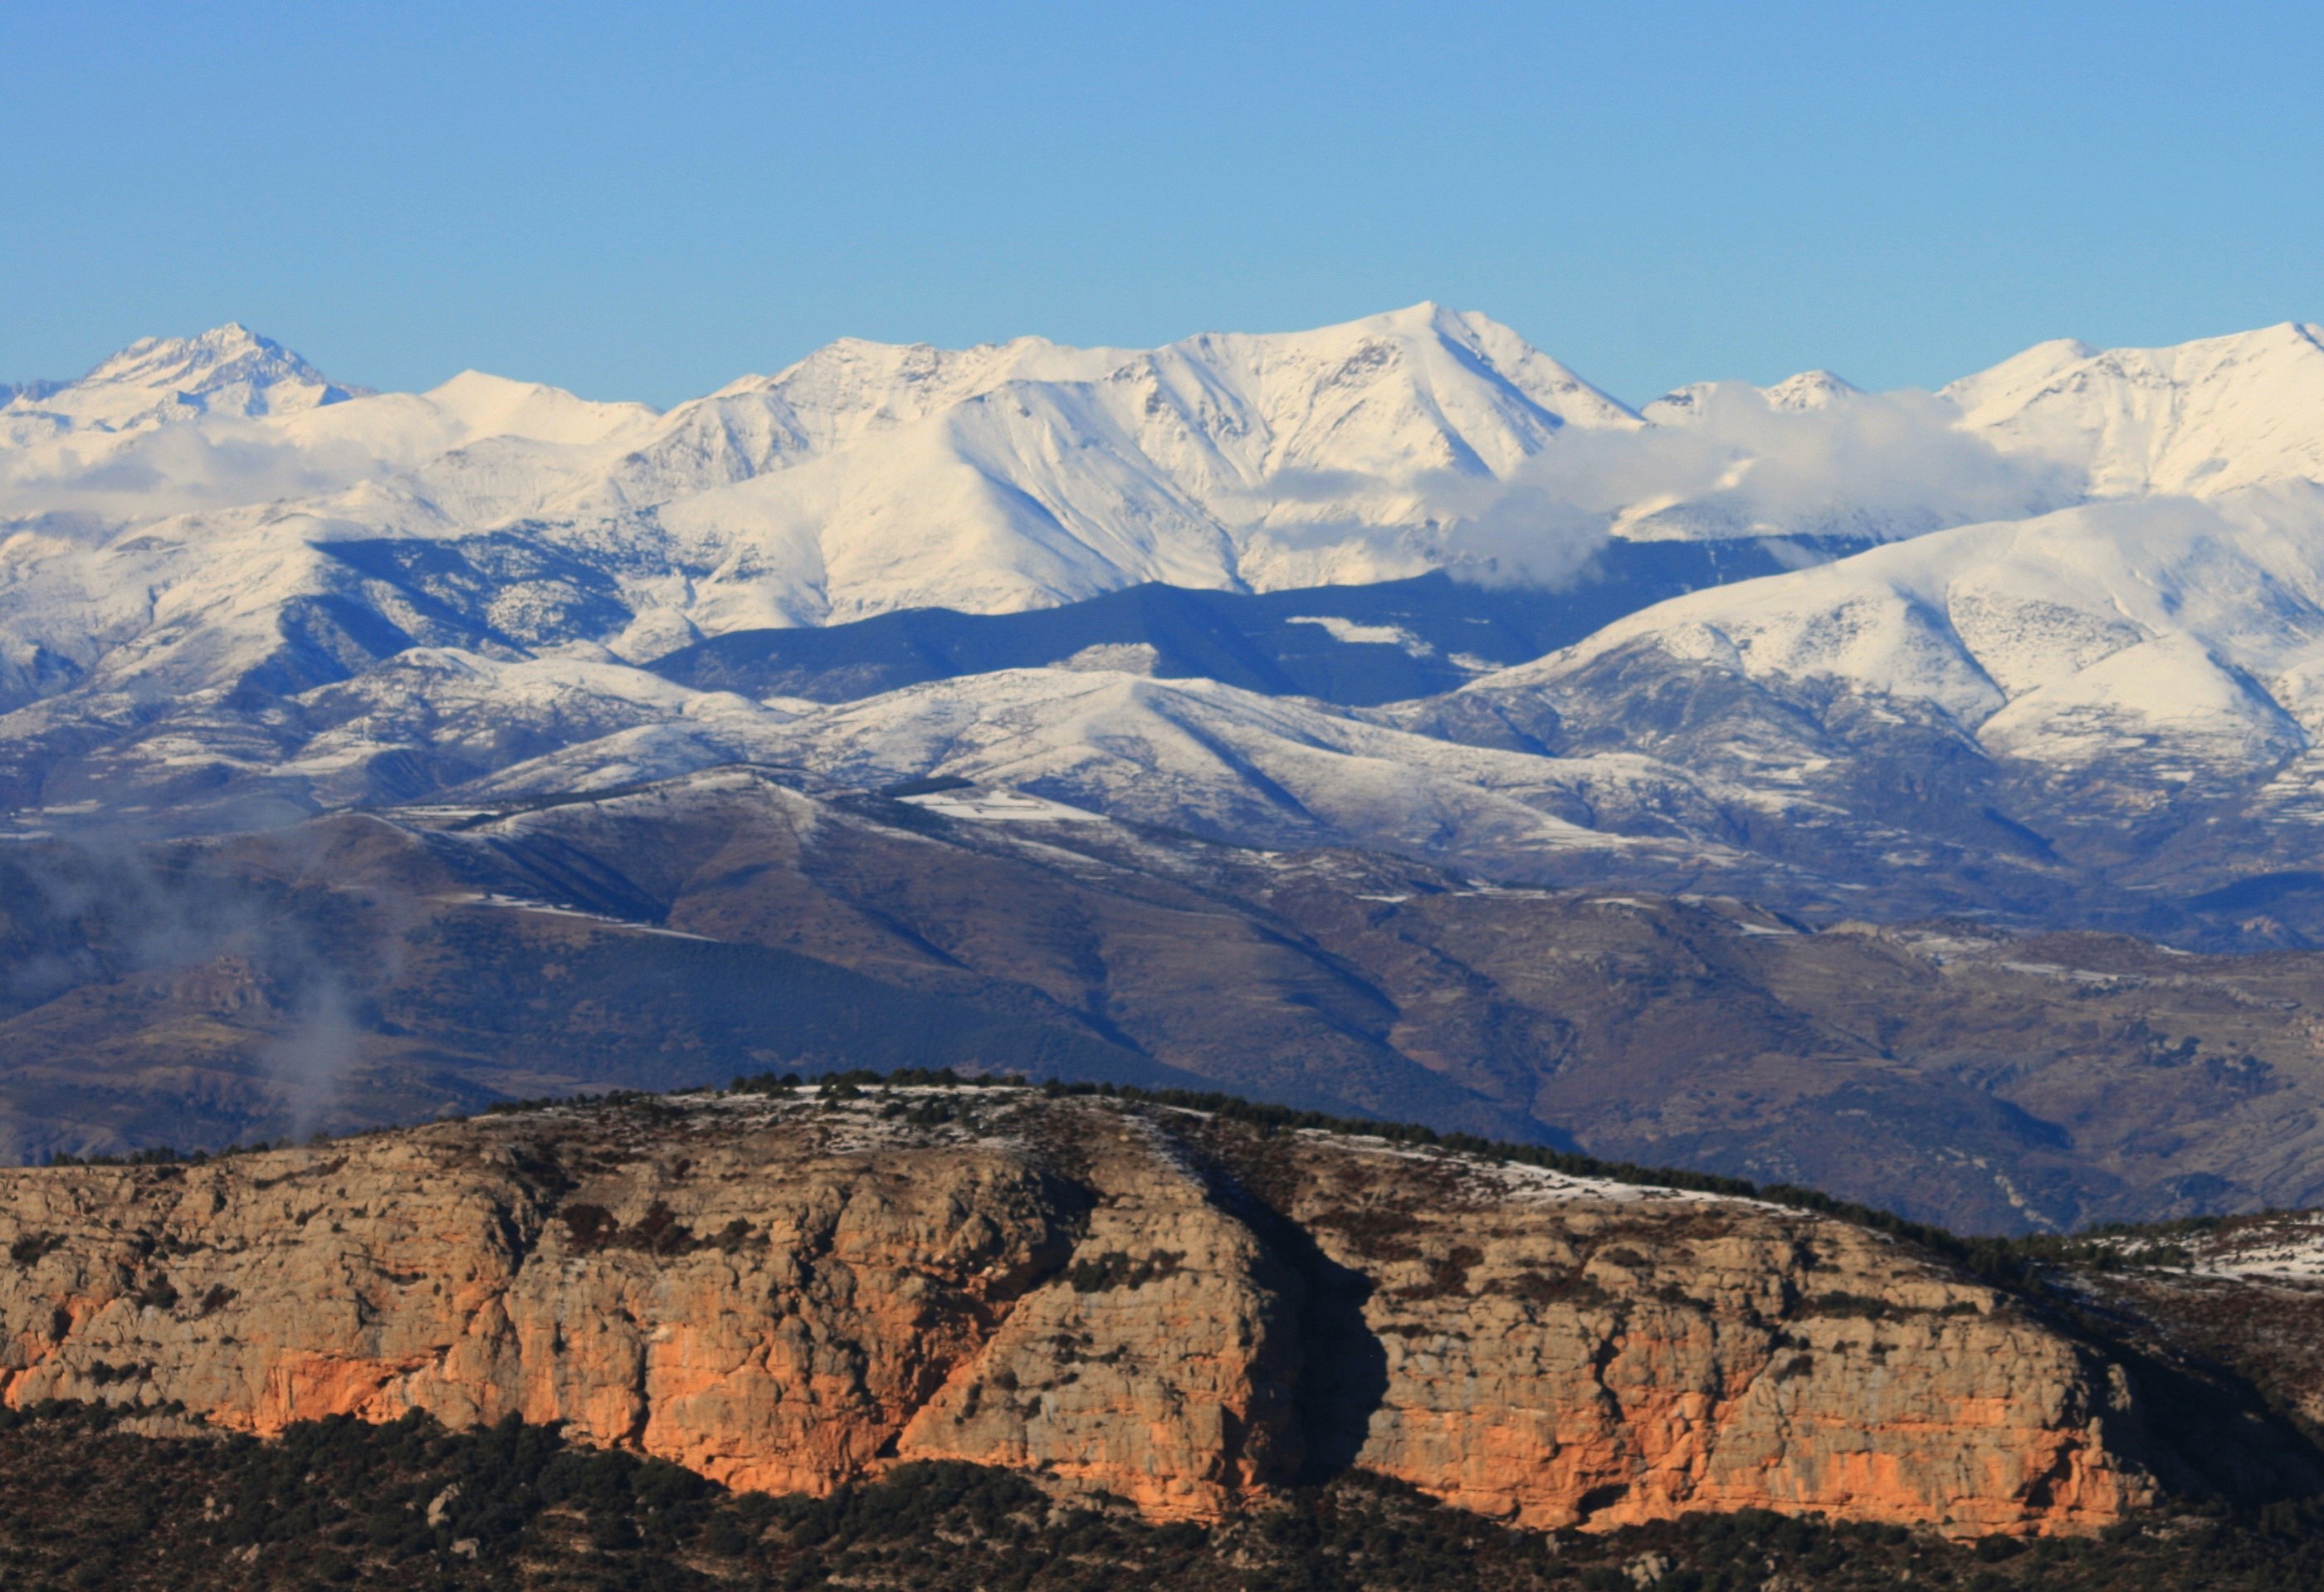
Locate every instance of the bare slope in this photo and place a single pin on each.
(387, 968)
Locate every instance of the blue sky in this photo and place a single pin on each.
(645, 202)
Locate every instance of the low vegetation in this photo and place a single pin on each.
(336, 1503)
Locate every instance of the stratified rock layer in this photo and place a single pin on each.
(1174, 1309)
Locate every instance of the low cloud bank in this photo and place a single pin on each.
(109, 909)
(175, 470)
(1867, 466)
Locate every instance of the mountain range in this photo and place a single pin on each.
(2039, 653)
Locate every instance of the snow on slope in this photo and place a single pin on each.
(1920, 708)
(494, 405)
(1799, 394)
(230, 371)
(480, 714)
(2213, 416)
(865, 478)
(2191, 631)
(2204, 418)
(338, 592)
(868, 478)
(1394, 395)
(428, 718)
(1187, 754)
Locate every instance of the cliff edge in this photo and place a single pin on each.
(1188, 1312)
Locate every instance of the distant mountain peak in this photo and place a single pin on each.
(499, 405)
(1799, 394)
(1811, 390)
(229, 370)
(1427, 316)
(150, 359)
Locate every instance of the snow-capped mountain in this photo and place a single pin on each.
(2204, 418)
(229, 372)
(2117, 697)
(868, 478)
(236, 489)
(2191, 631)
(861, 480)
(1809, 390)
(2061, 641)
(195, 513)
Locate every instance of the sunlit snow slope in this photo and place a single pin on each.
(2053, 647)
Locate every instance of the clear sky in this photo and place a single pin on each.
(647, 201)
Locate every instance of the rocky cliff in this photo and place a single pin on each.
(1187, 1311)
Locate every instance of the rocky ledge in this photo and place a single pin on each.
(1184, 1310)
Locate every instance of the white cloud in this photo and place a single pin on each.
(1885, 466)
(174, 470)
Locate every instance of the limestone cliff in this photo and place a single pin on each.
(1179, 1310)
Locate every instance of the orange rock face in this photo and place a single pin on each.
(787, 1295)
(1602, 1362)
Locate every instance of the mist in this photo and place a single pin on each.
(316, 1055)
(176, 470)
(110, 912)
(1868, 467)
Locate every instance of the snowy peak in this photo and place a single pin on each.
(2020, 373)
(2162, 635)
(1434, 348)
(870, 477)
(1446, 388)
(2203, 418)
(1026, 474)
(1805, 393)
(1811, 390)
(495, 406)
(228, 370)
(1461, 372)
(848, 389)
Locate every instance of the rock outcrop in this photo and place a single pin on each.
(1183, 1310)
